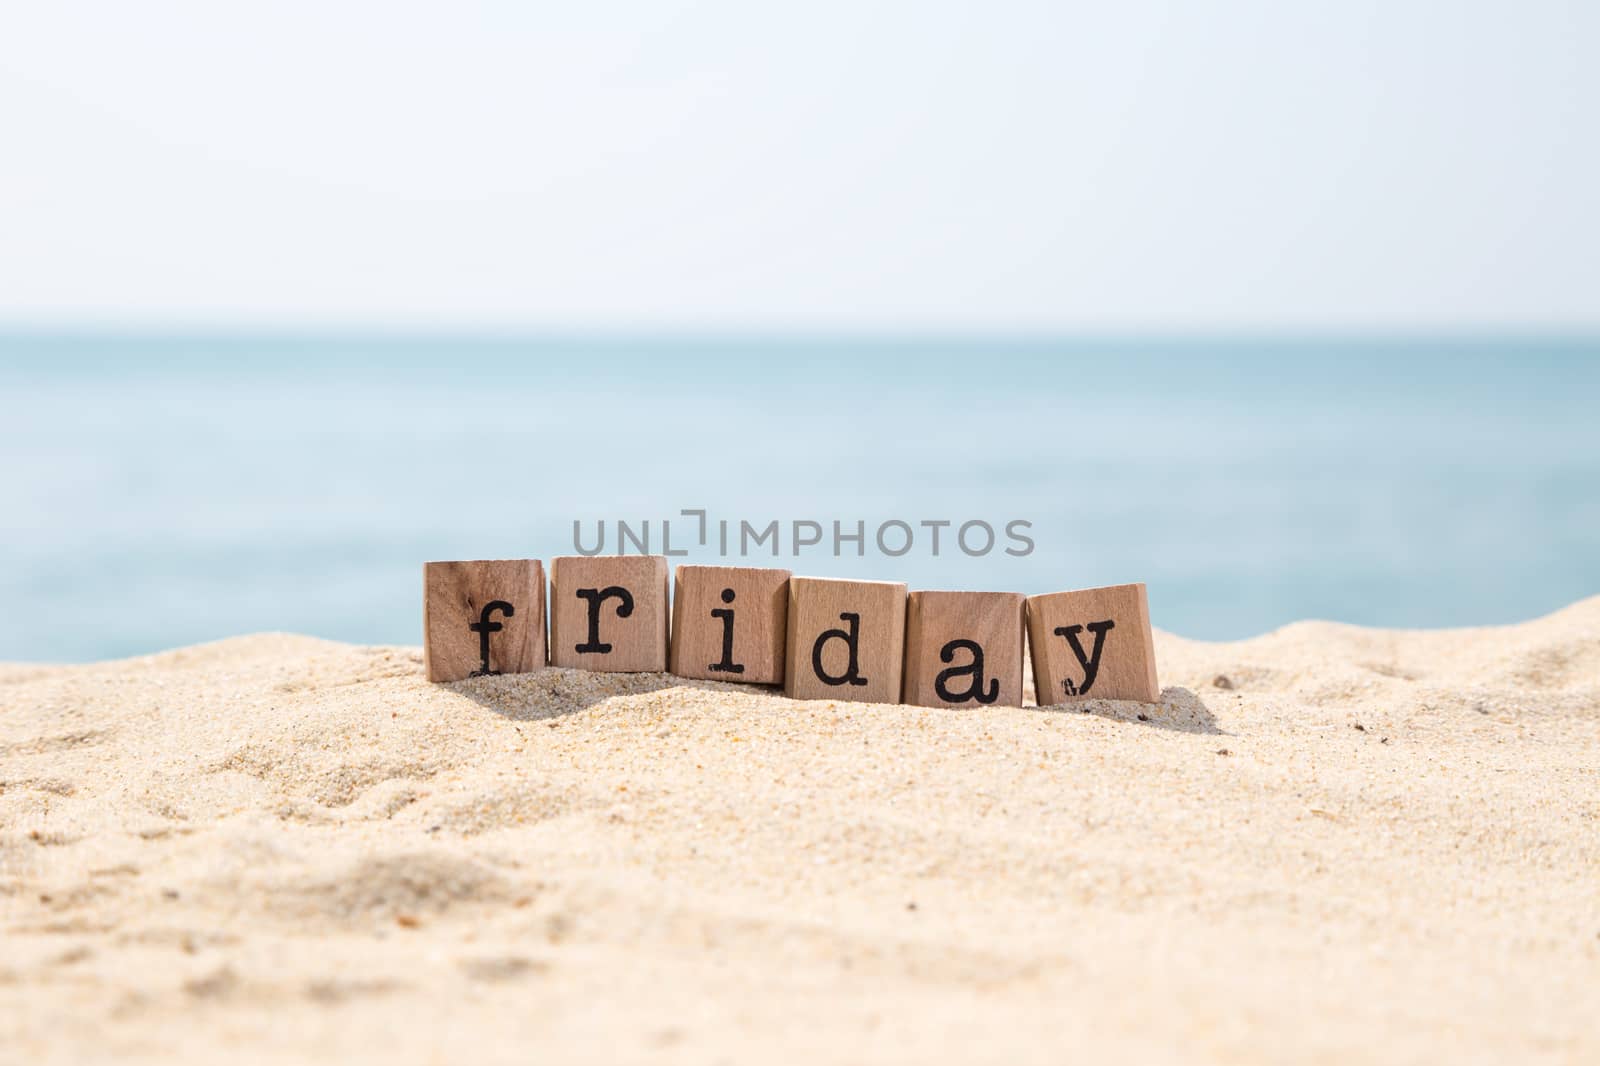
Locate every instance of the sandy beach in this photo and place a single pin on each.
(1326, 844)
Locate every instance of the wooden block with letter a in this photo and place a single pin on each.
(728, 623)
(483, 617)
(846, 640)
(1093, 644)
(963, 649)
(609, 612)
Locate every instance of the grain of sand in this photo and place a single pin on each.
(1325, 844)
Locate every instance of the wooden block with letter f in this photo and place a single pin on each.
(609, 612)
(728, 623)
(1093, 644)
(482, 618)
(964, 649)
(846, 640)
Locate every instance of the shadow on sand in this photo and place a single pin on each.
(555, 692)
(1180, 709)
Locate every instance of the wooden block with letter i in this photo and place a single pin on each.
(482, 618)
(1093, 644)
(609, 612)
(728, 623)
(846, 640)
(963, 649)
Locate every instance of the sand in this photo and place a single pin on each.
(1326, 844)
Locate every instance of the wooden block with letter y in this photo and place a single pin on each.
(483, 617)
(846, 640)
(1093, 644)
(964, 649)
(609, 612)
(728, 623)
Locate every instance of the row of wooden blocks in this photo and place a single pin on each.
(821, 638)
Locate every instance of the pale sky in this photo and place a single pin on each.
(923, 165)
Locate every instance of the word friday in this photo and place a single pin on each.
(820, 638)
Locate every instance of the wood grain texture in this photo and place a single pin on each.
(824, 615)
(759, 601)
(624, 598)
(456, 596)
(946, 635)
(1115, 653)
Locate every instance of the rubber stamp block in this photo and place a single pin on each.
(728, 623)
(481, 618)
(609, 612)
(846, 640)
(1092, 644)
(963, 649)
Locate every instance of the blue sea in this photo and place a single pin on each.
(159, 490)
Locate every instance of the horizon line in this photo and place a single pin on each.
(536, 333)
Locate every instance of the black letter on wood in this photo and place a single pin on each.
(852, 673)
(976, 690)
(483, 627)
(726, 665)
(1091, 662)
(595, 598)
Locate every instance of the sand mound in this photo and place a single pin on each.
(1325, 842)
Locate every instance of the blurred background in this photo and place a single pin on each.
(1288, 310)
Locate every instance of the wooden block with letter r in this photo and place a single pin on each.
(1093, 644)
(963, 649)
(728, 623)
(481, 618)
(609, 612)
(846, 640)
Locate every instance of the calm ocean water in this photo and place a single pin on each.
(158, 491)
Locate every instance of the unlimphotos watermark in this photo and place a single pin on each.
(741, 538)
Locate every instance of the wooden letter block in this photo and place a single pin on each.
(482, 618)
(728, 623)
(846, 640)
(609, 612)
(964, 649)
(1093, 644)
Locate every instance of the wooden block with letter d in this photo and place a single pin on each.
(481, 618)
(1093, 644)
(846, 640)
(728, 623)
(609, 612)
(963, 649)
